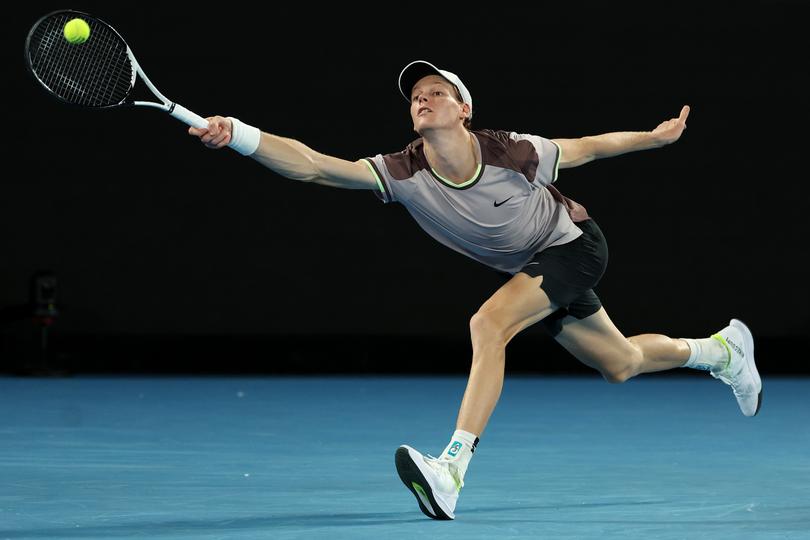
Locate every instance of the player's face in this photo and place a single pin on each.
(434, 104)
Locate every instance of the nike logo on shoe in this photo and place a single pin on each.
(497, 204)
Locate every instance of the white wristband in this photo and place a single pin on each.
(244, 138)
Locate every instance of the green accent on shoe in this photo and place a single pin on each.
(719, 338)
(420, 490)
(458, 483)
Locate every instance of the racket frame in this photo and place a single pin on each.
(173, 108)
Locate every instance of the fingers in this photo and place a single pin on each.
(684, 113)
(216, 135)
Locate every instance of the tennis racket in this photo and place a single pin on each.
(100, 72)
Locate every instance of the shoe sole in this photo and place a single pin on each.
(411, 476)
(748, 337)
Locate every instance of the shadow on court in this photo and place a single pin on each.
(259, 524)
(298, 521)
(577, 516)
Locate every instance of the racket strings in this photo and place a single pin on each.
(52, 76)
(95, 73)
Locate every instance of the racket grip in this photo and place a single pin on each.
(190, 118)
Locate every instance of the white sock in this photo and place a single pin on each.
(706, 354)
(460, 450)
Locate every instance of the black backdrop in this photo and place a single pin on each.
(169, 256)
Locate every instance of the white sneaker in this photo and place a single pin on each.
(741, 370)
(435, 483)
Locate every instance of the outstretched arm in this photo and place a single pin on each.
(577, 152)
(292, 159)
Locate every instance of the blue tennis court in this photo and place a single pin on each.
(312, 457)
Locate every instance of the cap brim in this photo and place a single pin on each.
(411, 75)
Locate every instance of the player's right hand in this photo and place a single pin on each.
(218, 133)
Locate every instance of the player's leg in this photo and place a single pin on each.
(518, 304)
(728, 355)
(553, 278)
(596, 342)
(436, 483)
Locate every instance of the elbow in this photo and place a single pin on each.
(301, 175)
(306, 169)
(317, 169)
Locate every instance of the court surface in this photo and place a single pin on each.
(658, 457)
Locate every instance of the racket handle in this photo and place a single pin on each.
(190, 118)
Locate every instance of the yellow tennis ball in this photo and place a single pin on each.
(77, 31)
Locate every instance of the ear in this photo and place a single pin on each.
(466, 110)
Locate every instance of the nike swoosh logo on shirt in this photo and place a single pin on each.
(497, 204)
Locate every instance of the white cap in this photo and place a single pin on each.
(417, 69)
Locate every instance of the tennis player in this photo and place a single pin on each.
(490, 196)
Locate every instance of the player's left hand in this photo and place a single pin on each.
(670, 131)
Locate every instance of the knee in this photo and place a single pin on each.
(624, 367)
(484, 325)
(617, 376)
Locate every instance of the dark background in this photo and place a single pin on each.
(169, 257)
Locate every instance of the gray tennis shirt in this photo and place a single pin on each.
(503, 215)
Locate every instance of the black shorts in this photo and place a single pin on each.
(570, 272)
